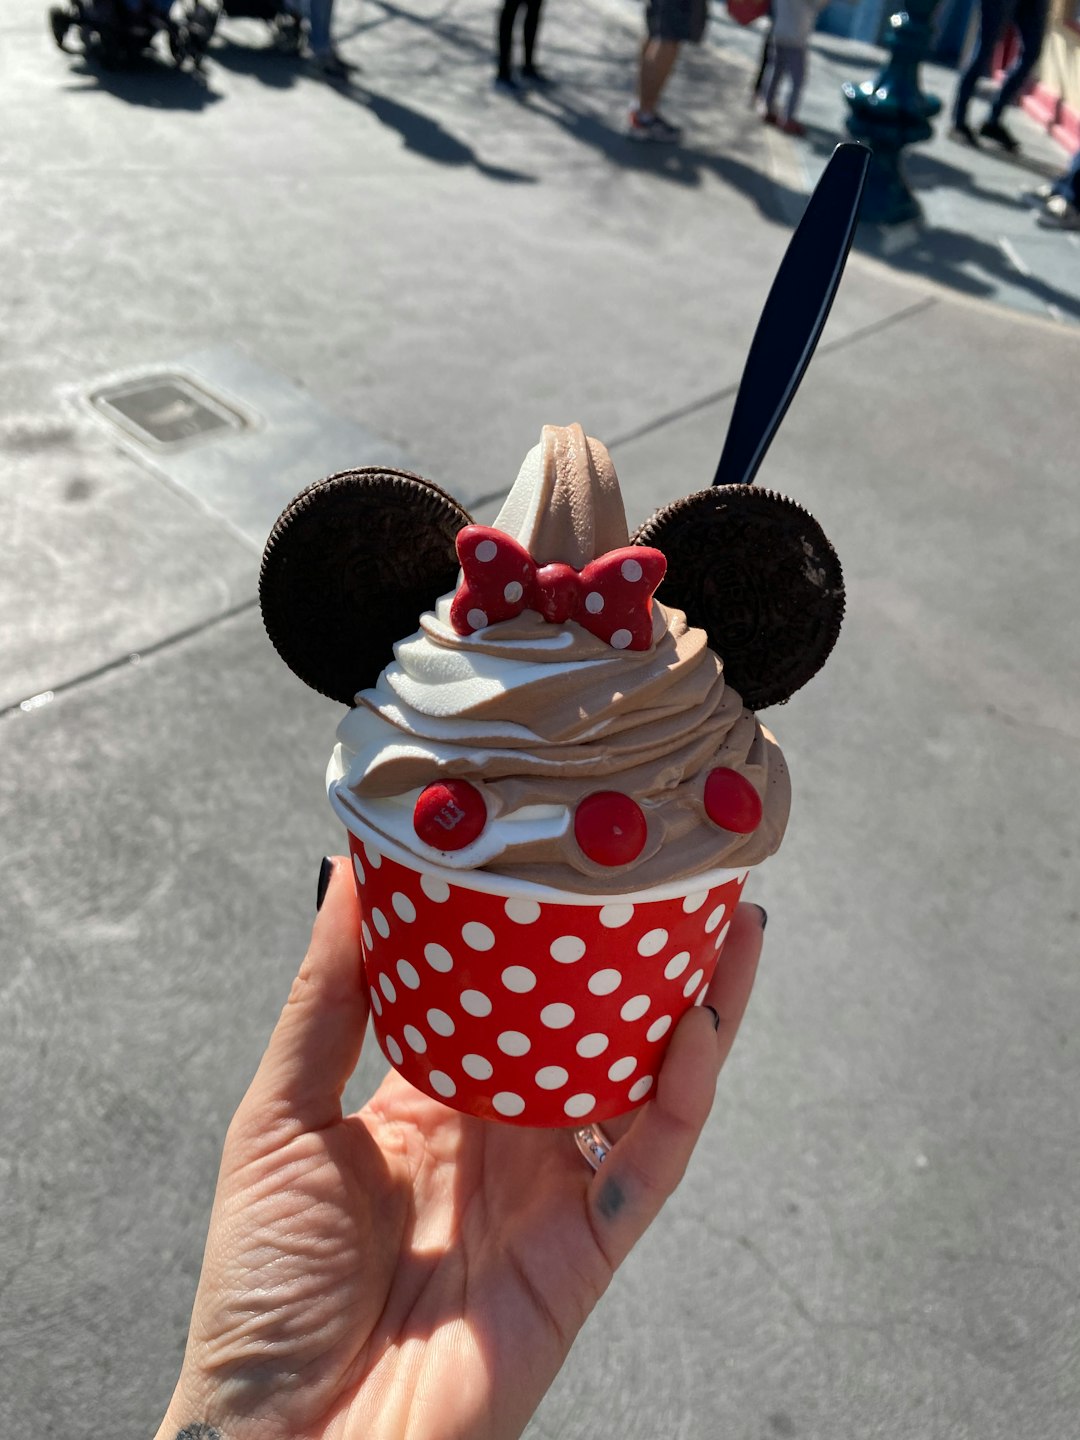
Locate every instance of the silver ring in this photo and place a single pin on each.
(593, 1144)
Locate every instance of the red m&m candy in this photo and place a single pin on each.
(610, 828)
(732, 802)
(449, 814)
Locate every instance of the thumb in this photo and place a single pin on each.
(317, 1040)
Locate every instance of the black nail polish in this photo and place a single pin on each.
(715, 1015)
(325, 871)
(764, 914)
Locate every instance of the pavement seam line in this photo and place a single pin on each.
(692, 407)
(44, 698)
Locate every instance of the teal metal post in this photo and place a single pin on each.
(891, 112)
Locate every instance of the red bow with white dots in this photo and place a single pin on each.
(611, 597)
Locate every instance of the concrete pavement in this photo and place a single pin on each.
(879, 1234)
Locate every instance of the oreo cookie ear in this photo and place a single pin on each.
(350, 566)
(755, 572)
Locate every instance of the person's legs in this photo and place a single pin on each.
(992, 20)
(657, 62)
(506, 39)
(1061, 208)
(532, 26)
(319, 16)
(1029, 18)
(1068, 182)
(775, 70)
(796, 68)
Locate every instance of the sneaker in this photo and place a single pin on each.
(963, 134)
(770, 117)
(994, 130)
(792, 127)
(1039, 195)
(533, 75)
(1058, 214)
(652, 127)
(333, 65)
(506, 84)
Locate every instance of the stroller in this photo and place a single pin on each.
(118, 32)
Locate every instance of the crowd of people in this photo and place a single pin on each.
(668, 26)
(1059, 201)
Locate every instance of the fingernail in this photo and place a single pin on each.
(715, 1016)
(325, 871)
(763, 919)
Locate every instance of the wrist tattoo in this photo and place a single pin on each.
(199, 1431)
(611, 1199)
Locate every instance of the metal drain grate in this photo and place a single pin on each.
(166, 411)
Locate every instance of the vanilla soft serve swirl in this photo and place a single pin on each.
(539, 716)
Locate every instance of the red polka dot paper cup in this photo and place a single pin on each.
(528, 1005)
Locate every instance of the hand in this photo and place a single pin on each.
(408, 1271)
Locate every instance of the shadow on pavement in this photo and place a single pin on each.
(950, 257)
(426, 137)
(147, 82)
(270, 67)
(682, 164)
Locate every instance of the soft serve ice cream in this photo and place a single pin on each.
(553, 790)
(565, 750)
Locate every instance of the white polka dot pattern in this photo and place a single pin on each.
(526, 1012)
(475, 1002)
(513, 1042)
(439, 958)
(589, 1046)
(604, 982)
(522, 912)
(567, 948)
(507, 1103)
(408, 974)
(477, 1067)
(635, 1008)
(557, 1017)
(676, 965)
(435, 889)
(403, 906)
(519, 979)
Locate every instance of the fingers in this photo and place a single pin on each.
(316, 1043)
(645, 1166)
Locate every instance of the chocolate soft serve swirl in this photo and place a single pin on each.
(539, 716)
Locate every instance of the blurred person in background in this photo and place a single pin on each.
(793, 23)
(995, 17)
(669, 24)
(530, 73)
(1059, 202)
